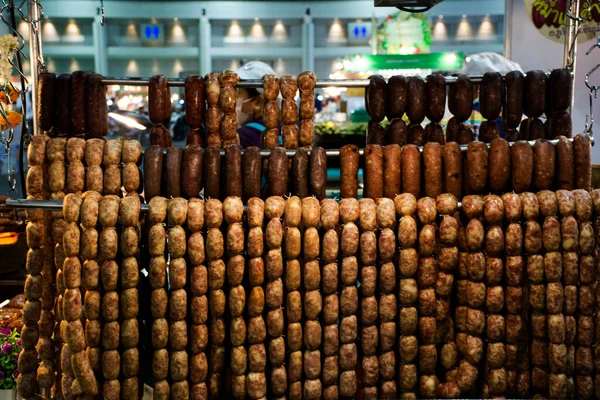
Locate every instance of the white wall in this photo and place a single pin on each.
(534, 51)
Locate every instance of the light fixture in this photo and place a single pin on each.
(132, 68)
(175, 19)
(23, 29)
(235, 64)
(279, 32)
(257, 32)
(177, 67)
(336, 32)
(177, 33)
(73, 33)
(440, 31)
(74, 66)
(280, 67)
(235, 34)
(486, 30)
(155, 67)
(51, 65)
(153, 20)
(49, 32)
(464, 30)
(131, 32)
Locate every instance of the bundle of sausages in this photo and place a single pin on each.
(270, 137)
(213, 113)
(306, 83)
(227, 101)
(194, 109)
(289, 111)
(75, 150)
(111, 159)
(131, 153)
(159, 110)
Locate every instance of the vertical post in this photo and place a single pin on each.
(570, 51)
(204, 45)
(308, 43)
(100, 46)
(36, 57)
(508, 7)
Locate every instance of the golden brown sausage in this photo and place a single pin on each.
(565, 163)
(582, 148)
(411, 170)
(499, 165)
(522, 166)
(392, 168)
(373, 171)
(477, 170)
(543, 164)
(349, 161)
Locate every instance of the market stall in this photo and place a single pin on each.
(443, 264)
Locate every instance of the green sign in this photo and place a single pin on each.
(404, 33)
(434, 61)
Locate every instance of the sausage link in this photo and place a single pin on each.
(435, 133)
(194, 101)
(534, 129)
(565, 163)
(191, 172)
(561, 89)
(452, 129)
(460, 98)
(46, 100)
(411, 170)
(195, 138)
(159, 100)
(153, 165)
(233, 172)
(376, 98)
(63, 101)
(349, 161)
(582, 148)
(477, 167)
(453, 169)
(415, 109)
(318, 172)
(373, 171)
(432, 165)
(397, 132)
(212, 172)
(521, 158)
(392, 170)
(490, 95)
(560, 125)
(300, 173)
(534, 98)
(416, 135)
(397, 97)
(488, 131)
(513, 102)
(96, 110)
(375, 133)
(499, 165)
(512, 135)
(160, 136)
(465, 134)
(544, 157)
(436, 97)
(77, 111)
(173, 171)
(277, 173)
(252, 170)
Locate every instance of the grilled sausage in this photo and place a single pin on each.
(77, 97)
(191, 172)
(488, 131)
(566, 164)
(194, 101)
(490, 95)
(392, 168)
(415, 109)
(63, 101)
(411, 170)
(477, 167)
(153, 166)
(544, 157)
(300, 173)
(582, 148)
(375, 133)
(349, 161)
(397, 132)
(436, 97)
(173, 171)
(560, 125)
(416, 135)
(212, 172)
(397, 97)
(159, 100)
(460, 98)
(513, 103)
(96, 110)
(561, 89)
(374, 171)
(318, 172)
(432, 164)
(252, 170)
(46, 100)
(453, 169)
(435, 133)
(499, 165)
(233, 172)
(521, 158)
(376, 98)
(277, 173)
(534, 99)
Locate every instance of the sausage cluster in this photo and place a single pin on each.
(75, 152)
(271, 113)
(131, 153)
(213, 112)
(194, 109)
(111, 160)
(227, 102)
(288, 84)
(306, 83)
(159, 110)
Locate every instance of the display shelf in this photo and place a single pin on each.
(152, 52)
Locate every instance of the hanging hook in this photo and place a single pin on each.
(571, 16)
(589, 119)
(102, 12)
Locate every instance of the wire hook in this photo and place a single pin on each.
(102, 12)
(589, 119)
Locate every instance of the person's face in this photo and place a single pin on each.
(245, 107)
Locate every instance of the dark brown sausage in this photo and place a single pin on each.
(452, 130)
(195, 138)
(194, 101)
(96, 111)
(397, 132)
(453, 169)
(512, 135)
(490, 95)
(535, 129)
(521, 158)
(582, 148)
(349, 159)
(432, 165)
(153, 165)
(415, 109)
(212, 172)
(277, 172)
(560, 125)
(565, 164)
(561, 89)
(499, 165)
(373, 171)
(416, 135)
(233, 172)
(77, 112)
(173, 171)
(397, 97)
(392, 168)
(375, 133)
(435, 133)
(488, 131)
(159, 106)
(160, 136)
(191, 172)
(300, 173)
(411, 170)
(376, 98)
(544, 164)
(460, 98)
(465, 134)
(513, 104)
(477, 167)
(46, 100)
(524, 130)
(436, 97)
(318, 172)
(252, 170)
(534, 99)
(63, 104)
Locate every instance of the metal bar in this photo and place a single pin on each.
(570, 50)
(180, 82)
(35, 56)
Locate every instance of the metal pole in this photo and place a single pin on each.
(36, 57)
(570, 50)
